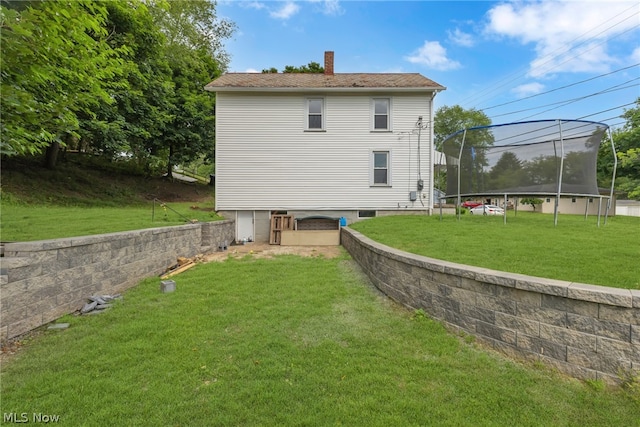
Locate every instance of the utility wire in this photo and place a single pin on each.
(569, 101)
(566, 102)
(604, 111)
(559, 88)
(585, 97)
(595, 45)
(553, 54)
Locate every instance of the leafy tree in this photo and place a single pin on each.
(311, 68)
(627, 144)
(629, 162)
(531, 201)
(111, 77)
(447, 121)
(195, 56)
(141, 107)
(542, 170)
(508, 172)
(576, 167)
(56, 63)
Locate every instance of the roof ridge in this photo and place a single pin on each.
(323, 81)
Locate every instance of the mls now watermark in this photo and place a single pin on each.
(25, 417)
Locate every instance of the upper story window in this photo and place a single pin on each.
(381, 114)
(315, 114)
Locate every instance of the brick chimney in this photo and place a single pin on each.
(328, 63)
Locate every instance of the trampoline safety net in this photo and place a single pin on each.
(545, 157)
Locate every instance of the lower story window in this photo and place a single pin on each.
(381, 168)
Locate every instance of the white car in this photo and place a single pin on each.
(486, 210)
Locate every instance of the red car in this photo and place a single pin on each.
(470, 205)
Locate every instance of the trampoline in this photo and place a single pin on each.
(544, 158)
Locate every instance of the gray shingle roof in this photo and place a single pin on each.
(287, 81)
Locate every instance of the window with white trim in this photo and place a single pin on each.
(315, 114)
(381, 171)
(381, 114)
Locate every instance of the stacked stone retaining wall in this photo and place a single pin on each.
(585, 331)
(43, 280)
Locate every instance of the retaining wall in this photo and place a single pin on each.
(43, 280)
(585, 331)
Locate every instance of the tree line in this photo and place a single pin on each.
(122, 78)
(126, 78)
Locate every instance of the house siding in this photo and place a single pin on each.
(568, 206)
(266, 161)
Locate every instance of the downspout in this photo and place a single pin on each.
(420, 190)
(431, 155)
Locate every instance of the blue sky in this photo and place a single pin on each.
(516, 61)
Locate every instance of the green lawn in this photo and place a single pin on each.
(575, 250)
(286, 341)
(21, 222)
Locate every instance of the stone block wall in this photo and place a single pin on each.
(43, 280)
(585, 331)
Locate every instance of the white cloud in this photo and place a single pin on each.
(252, 70)
(635, 55)
(434, 56)
(528, 89)
(286, 11)
(329, 7)
(461, 38)
(568, 36)
(251, 5)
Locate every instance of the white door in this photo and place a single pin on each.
(244, 226)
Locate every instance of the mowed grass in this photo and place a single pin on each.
(22, 222)
(575, 250)
(285, 341)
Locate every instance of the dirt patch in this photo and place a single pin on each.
(12, 347)
(264, 250)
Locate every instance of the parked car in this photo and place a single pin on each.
(486, 210)
(469, 204)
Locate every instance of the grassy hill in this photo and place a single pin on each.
(88, 181)
(85, 195)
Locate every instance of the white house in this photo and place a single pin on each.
(339, 145)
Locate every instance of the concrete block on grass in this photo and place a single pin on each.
(58, 326)
(167, 286)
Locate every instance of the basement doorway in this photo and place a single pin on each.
(244, 226)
